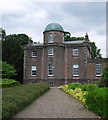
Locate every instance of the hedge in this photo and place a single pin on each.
(15, 99)
(97, 101)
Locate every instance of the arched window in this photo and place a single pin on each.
(51, 38)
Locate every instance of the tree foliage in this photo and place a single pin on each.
(3, 34)
(12, 51)
(21, 38)
(104, 77)
(67, 37)
(8, 70)
(95, 52)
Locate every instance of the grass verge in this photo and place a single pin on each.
(15, 99)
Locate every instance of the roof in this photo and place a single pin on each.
(53, 26)
(74, 42)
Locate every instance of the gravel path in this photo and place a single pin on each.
(56, 104)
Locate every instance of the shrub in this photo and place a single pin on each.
(91, 87)
(97, 101)
(9, 82)
(14, 99)
(74, 85)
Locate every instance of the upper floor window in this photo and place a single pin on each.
(51, 51)
(98, 69)
(33, 71)
(50, 69)
(51, 38)
(75, 52)
(75, 70)
(34, 53)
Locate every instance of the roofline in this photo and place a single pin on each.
(53, 30)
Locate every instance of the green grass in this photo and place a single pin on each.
(15, 99)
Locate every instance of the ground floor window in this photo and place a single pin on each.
(50, 69)
(75, 70)
(98, 69)
(33, 71)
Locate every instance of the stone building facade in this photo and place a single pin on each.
(60, 62)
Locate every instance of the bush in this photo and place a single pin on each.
(84, 87)
(91, 87)
(14, 99)
(96, 101)
(74, 85)
(9, 82)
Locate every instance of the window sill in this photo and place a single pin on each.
(33, 75)
(50, 75)
(75, 75)
(50, 55)
(34, 56)
(98, 75)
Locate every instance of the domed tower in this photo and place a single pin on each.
(53, 33)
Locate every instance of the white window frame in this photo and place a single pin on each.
(50, 51)
(75, 52)
(75, 70)
(33, 69)
(98, 69)
(51, 69)
(34, 52)
(51, 38)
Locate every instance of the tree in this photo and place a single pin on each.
(21, 38)
(104, 77)
(13, 55)
(2, 34)
(95, 52)
(67, 37)
(8, 70)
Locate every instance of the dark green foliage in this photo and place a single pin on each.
(104, 77)
(13, 55)
(95, 52)
(3, 35)
(74, 85)
(8, 83)
(84, 87)
(67, 37)
(21, 38)
(8, 70)
(91, 87)
(97, 101)
(15, 99)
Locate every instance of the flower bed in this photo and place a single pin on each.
(93, 97)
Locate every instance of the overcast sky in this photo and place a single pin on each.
(31, 18)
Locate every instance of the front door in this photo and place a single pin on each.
(51, 84)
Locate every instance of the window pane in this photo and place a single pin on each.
(98, 69)
(50, 51)
(75, 70)
(33, 71)
(75, 52)
(51, 38)
(50, 69)
(33, 67)
(34, 54)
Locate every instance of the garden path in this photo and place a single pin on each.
(56, 104)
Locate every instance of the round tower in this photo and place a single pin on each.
(53, 33)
